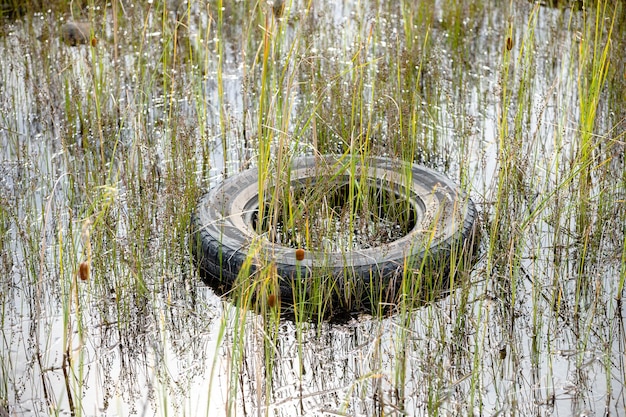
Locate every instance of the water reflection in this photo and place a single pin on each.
(125, 134)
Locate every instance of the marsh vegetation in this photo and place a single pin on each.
(106, 146)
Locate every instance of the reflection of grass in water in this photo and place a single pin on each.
(127, 147)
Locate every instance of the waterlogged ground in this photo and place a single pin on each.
(105, 148)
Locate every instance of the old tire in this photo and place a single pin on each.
(224, 238)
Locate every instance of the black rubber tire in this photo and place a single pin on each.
(223, 232)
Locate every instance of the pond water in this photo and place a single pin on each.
(106, 147)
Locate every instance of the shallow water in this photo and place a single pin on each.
(104, 150)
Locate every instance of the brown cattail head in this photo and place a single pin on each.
(271, 300)
(83, 271)
(299, 254)
(509, 43)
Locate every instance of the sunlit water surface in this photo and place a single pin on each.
(169, 349)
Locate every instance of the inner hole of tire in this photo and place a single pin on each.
(335, 216)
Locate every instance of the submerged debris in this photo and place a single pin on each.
(77, 33)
